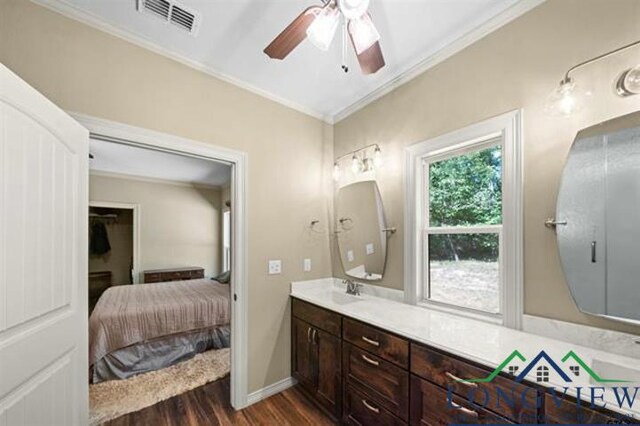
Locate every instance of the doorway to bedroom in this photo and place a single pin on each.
(160, 271)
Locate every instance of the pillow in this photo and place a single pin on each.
(224, 277)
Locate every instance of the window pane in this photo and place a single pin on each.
(466, 189)
(464, 270)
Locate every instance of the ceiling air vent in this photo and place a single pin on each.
(171, 12)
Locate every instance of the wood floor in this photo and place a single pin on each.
(209, 405)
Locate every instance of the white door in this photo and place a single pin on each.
(43, 260)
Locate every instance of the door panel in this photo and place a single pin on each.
(329, 351)
(304, 356)
(43, 259)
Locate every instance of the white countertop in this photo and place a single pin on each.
(479, 341)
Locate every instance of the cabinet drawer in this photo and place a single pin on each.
(318, 317)
(563, 411)
(445, 370)
(389, 384)
(196, 274)
(152, 278)
(430, 406)
(363, 410)
(383, 344)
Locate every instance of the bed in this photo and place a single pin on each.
(139, 328)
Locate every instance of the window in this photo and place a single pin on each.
(463, 222)
(542, 374)
(226, 240)
(462, 236)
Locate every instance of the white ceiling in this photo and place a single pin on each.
(233, 34)
(112, 157)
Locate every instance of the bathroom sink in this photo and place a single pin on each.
(612, 371)
(344, 299)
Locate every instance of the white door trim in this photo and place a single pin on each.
(136, 230)
(131, 135)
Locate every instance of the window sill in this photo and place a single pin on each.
(462, 312)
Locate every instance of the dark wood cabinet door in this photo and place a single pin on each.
(304, 355)
(329, 376)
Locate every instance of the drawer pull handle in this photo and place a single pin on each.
(464, 410)
(370, 341)
(458, 379)
(371, 407)
(308, 334)
(370, 361)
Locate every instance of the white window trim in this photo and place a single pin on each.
(509, 125)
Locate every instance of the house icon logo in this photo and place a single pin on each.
(542, 367)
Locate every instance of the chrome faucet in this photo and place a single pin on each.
(352, 287)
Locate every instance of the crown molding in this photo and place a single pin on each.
(523, 6)
(70, 11)
(513, 12)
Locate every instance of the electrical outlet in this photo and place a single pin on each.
(350, 255)
(307, 265)
(275, 267)
(369, 248)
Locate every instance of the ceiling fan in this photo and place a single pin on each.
(319, 24)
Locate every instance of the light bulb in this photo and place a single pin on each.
(356, 165)
(363, 33)
(628, 83)
(377, 157)
(336, 172)
(565, 99)
(353, 9)
(323, 28)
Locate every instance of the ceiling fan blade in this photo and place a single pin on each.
(293, 35)
(371, 60)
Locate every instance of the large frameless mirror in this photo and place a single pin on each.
(361, 230)
(598, 219)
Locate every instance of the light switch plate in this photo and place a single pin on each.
(307, 265)
(369, 249)
(275, 267)
(350, 256)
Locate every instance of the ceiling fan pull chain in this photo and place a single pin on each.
(344, 66)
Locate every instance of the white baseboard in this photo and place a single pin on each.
(270, 390)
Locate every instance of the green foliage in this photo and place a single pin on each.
(466, 190)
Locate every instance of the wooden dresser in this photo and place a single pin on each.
(386, 379)
(175, 274)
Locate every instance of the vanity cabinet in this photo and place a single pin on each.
(364, 375)
(445, 371)
(316, 351)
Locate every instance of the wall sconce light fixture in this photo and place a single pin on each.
(360, 161)
(568, 98)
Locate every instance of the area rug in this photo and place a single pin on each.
(114, 398)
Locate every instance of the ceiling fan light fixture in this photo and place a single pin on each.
(323, 29)
(363, 33)
(353, 9)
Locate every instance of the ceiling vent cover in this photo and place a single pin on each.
(172, 12)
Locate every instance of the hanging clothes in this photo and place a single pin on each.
(99, 241)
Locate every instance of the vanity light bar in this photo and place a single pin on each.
(359, 164)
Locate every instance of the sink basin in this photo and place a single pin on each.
(344, 299)
(608, 370)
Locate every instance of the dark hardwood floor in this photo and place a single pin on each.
(209, 405)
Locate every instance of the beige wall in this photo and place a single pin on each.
(179, 224)
(84, 70)
(514, 67)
